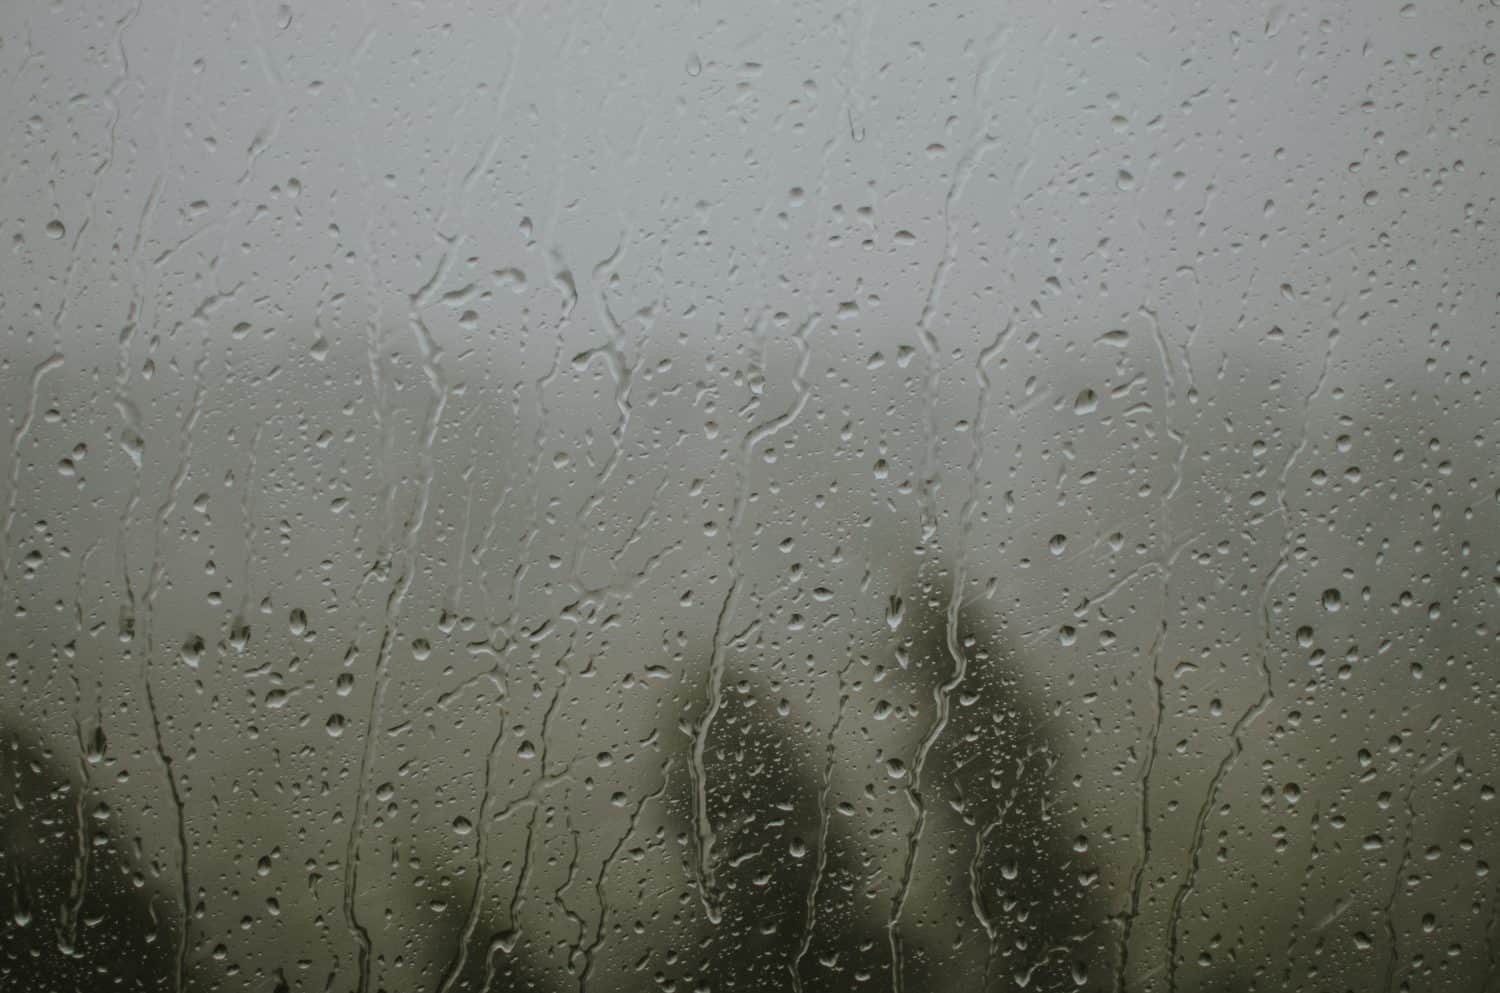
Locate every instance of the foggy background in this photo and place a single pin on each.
(775, 496)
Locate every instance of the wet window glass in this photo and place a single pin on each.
(698, 497)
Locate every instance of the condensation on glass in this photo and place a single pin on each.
(706, 497)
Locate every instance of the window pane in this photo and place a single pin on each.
(705, 497)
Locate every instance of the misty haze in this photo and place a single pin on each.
(749, 497)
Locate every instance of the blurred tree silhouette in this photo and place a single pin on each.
(83, 913)
(997, 895)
